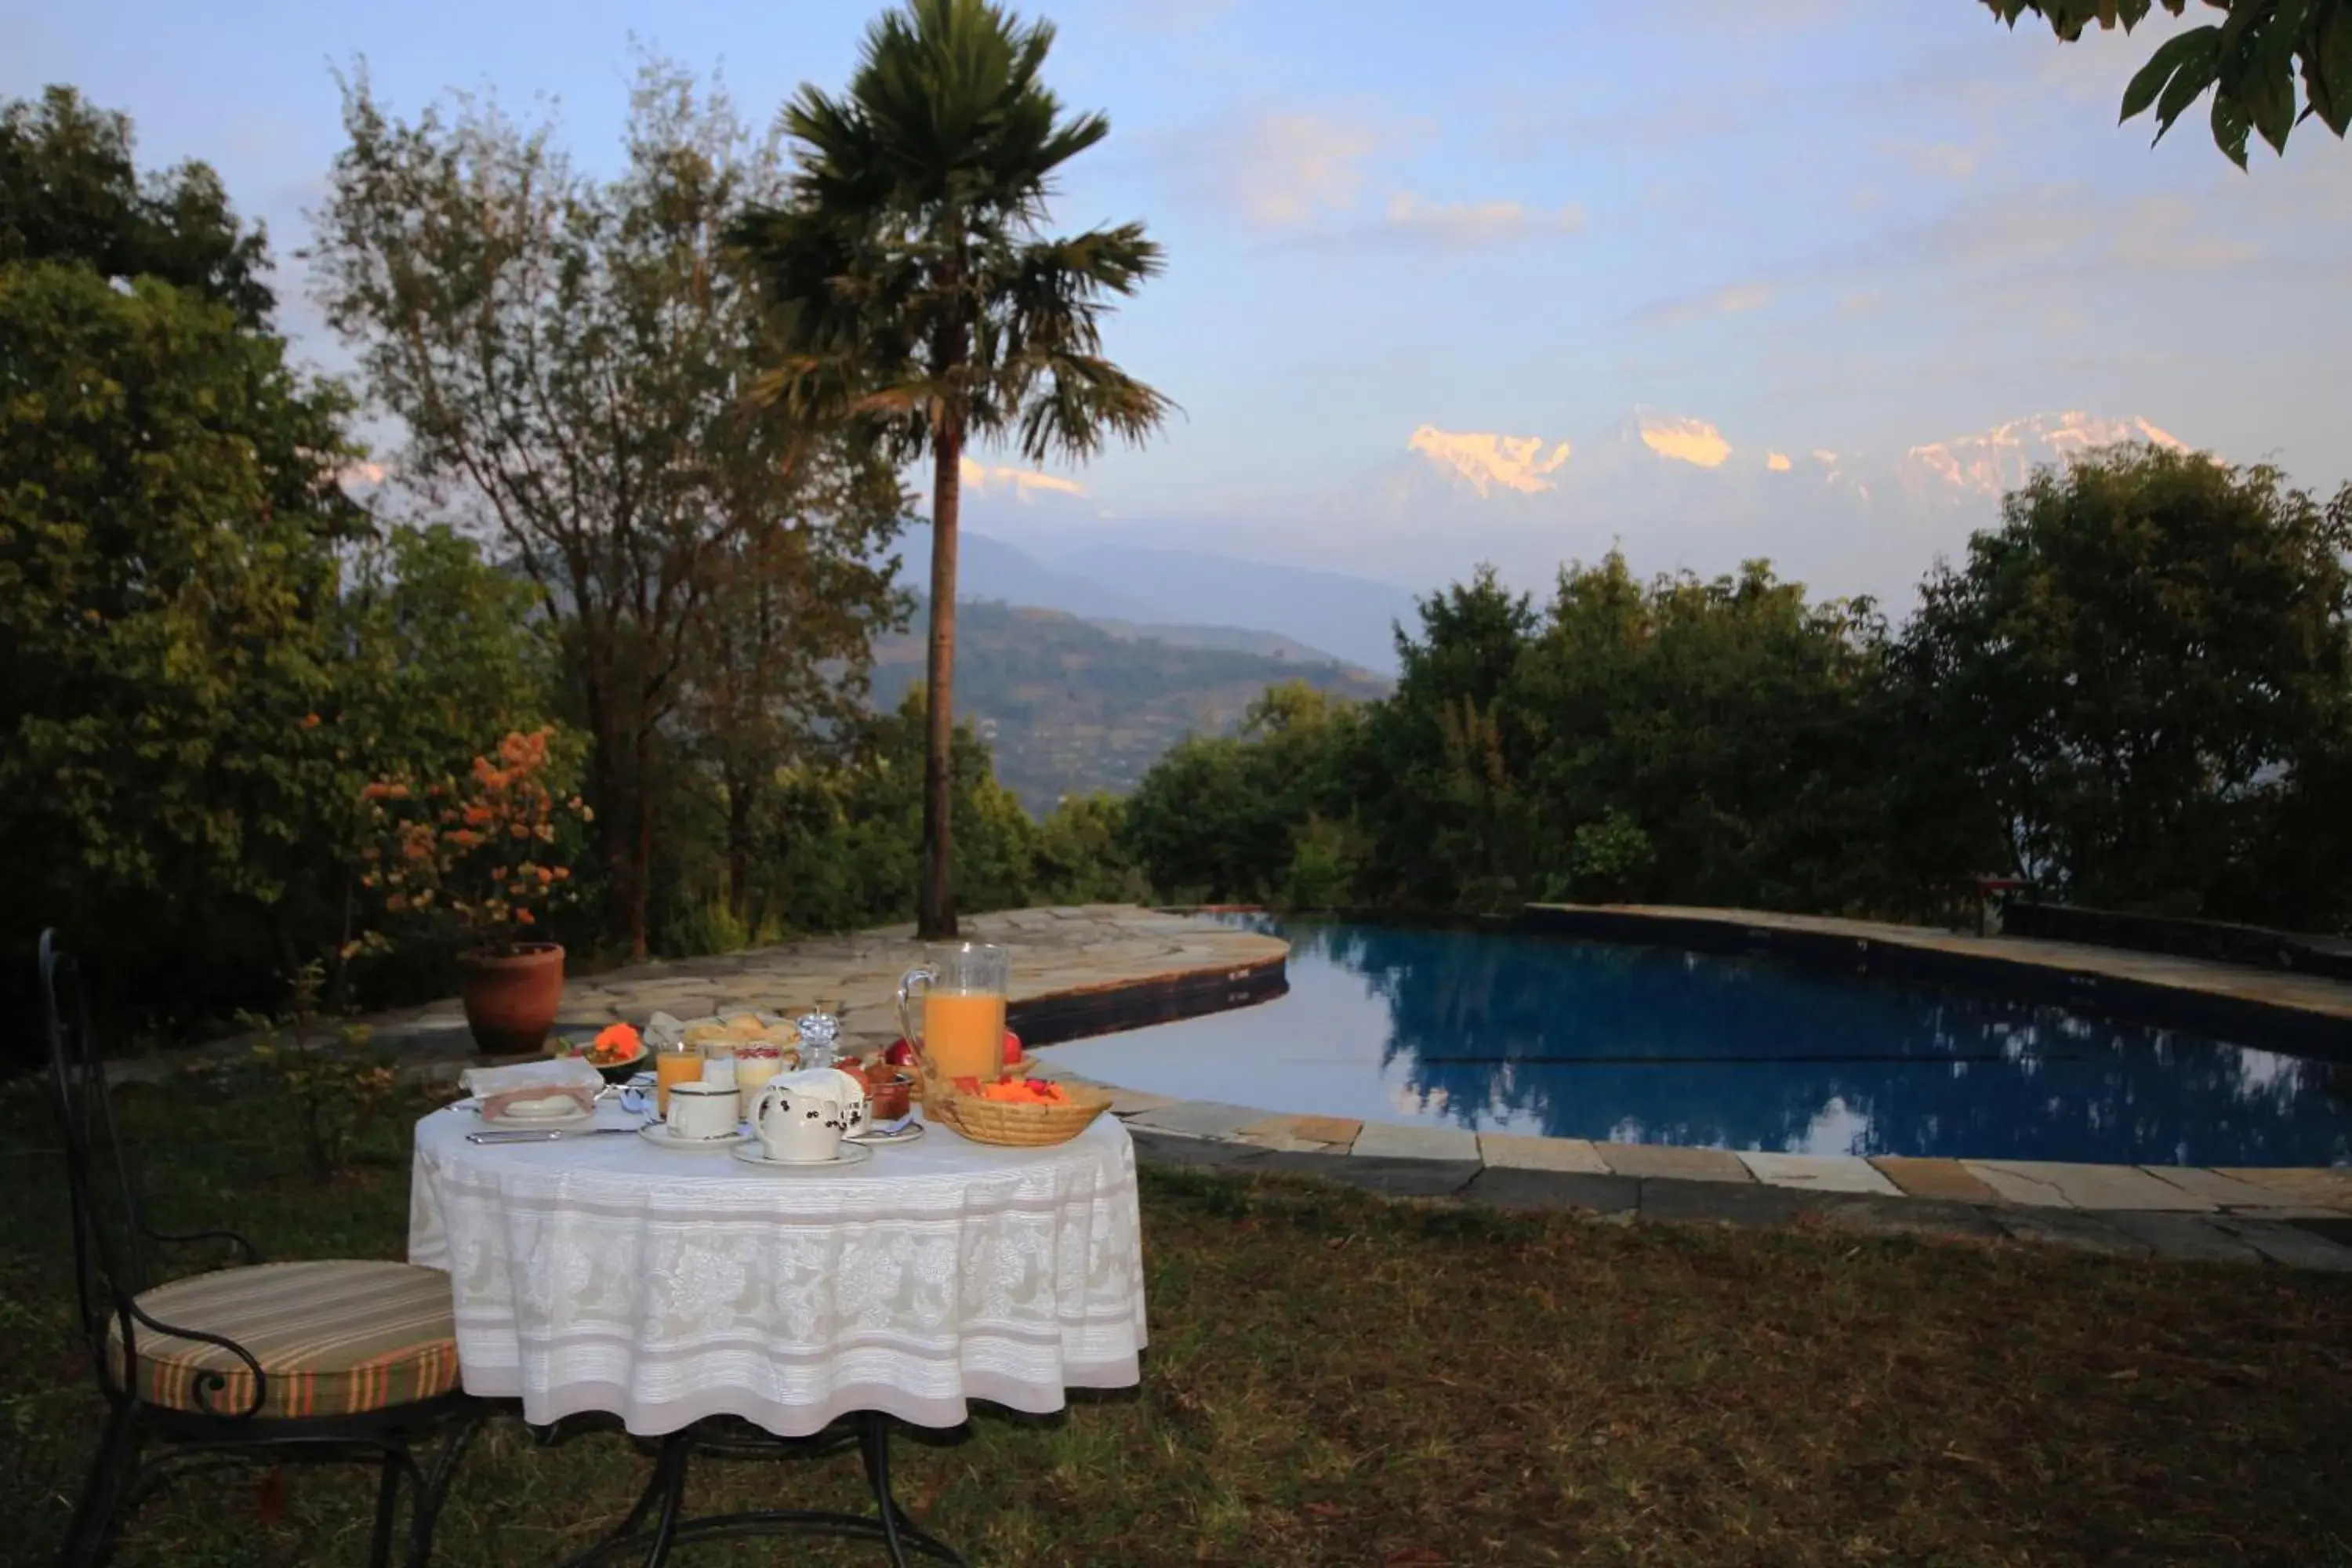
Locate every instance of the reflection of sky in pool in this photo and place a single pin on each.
(1526, 1034)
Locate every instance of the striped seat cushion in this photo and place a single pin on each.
(337, 1337)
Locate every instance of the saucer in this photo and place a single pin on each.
(524, 1123)
(905, 1133)
(752, 1153)
(660, 1136)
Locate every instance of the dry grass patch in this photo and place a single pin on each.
(1338, 1379)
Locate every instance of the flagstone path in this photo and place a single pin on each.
(1056, 952)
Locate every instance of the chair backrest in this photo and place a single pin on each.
(110, 1231)
(110, 1258)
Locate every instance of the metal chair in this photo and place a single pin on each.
(349, 1361)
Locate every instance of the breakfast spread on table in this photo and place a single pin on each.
(778, 1092)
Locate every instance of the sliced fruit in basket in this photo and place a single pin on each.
(1026, 1091)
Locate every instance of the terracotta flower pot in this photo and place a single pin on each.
(511, 999)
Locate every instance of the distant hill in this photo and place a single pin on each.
(1354, 617)
(1227, 639)
(1183, 596)
(989, 568)
(1071, 707)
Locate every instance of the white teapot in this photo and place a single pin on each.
(802, 1117)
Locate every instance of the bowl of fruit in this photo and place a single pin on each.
(1012, 1108)
(615, 1051)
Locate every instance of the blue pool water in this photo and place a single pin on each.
(1525, 1034)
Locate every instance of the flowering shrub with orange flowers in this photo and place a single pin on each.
(487, 847)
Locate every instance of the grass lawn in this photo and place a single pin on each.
(1337, 1379)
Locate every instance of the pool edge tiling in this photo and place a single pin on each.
(2290, 1217)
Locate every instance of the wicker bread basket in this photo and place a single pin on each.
(1005, 1122)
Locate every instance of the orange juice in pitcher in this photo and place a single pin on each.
(964, 1035)
(962, 1026)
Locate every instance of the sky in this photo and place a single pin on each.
(1848, 224)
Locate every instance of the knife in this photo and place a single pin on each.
(549, 1136)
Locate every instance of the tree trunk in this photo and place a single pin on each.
(740, 796)
(640, 858)
(935, 914)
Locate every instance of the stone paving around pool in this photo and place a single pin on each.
(1060, 952)
(2299, 1218)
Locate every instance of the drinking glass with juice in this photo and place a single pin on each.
(676, 1062)
(960, 1026)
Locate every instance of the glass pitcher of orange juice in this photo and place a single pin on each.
(960, 1026)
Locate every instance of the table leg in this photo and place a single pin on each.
(669, 1471)
(664, 1501)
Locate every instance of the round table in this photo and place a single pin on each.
(600, 1273)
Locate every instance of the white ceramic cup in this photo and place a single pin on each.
(799, 1122)
(700, 1110)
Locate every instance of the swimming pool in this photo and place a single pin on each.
(1516, 1033)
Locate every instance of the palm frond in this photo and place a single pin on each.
(1071, 404)
(908, 262)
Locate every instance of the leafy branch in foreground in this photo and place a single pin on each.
(2249, 61)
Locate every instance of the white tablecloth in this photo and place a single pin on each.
(605, 1274)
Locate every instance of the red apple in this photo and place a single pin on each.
(899, 1053)
(1011, 1047)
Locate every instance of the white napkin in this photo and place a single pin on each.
(566, 1077)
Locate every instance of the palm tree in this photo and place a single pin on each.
(916, 291)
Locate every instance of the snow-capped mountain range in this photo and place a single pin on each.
(1987, 463)
(1671, 490)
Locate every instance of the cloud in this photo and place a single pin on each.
(1309, 178)
(1730, 300)
(1162, 16)
(1717, 17)
(1284, 171)
(1933, 160)
(1536, 126)
(1755, 15)
(1475, 223)
(2062, 229)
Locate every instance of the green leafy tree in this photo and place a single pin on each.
(1447, 808)
(1081, 857)
(1225, 818)
(847, 854)
(2249, 61)
(570, 358)
(1737, 724)
(71, 192)
(205, 647)
(785, 662)
(916, 288)
(167, 496)
(2140, 677)
(434, 656)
